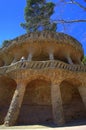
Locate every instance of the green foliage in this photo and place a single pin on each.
(84, 60)
(37, 16)
(5, 43)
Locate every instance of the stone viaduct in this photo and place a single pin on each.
(42, 79)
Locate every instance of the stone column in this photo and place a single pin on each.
(57, 104)
(80, 62)
(29, 57)
(69, 60)
(14, 61)
(15, 105)
(82, 91)
(51, 56)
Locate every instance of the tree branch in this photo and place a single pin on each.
(77, 3)
(69, 21)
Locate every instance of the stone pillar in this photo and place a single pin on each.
(51, 56)
(69, 60)
(82, 91)
(14, 61)
(15, 105)
(29, 57)
(57, 107)
(80, 62)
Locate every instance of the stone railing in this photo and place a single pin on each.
(42, 65)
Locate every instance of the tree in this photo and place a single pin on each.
(5, 43)
(84, 60)
(37, 16)
(75, 19)
(77, 3)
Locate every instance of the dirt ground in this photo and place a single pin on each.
(45, 127)
(39, 127)
(72, 126)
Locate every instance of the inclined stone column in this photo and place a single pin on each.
(14, 60)
(57, 104)
(15, 105)
(51, 56)
(69, 60)
(80, 62)
(82, 91)
(29, 57)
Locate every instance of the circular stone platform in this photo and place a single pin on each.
(43, 46)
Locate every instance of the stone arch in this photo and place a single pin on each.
(73, 107)
(36, 107)
(39, 76)
(7, 88)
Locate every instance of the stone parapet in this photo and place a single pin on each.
(42, 65)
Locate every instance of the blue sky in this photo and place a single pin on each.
(12, 14)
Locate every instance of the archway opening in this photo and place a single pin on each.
(36, 107)
(7, 88)
(73, 106)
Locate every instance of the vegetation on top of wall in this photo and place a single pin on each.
(5, 43)
(84, 60)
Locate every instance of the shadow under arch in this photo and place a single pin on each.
(36, 107)
(73, 106)
(7, 88)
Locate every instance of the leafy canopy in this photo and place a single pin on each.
(84, 60)
(37, 16)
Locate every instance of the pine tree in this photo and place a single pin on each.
(37, 16)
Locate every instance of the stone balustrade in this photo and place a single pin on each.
(42, 65)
